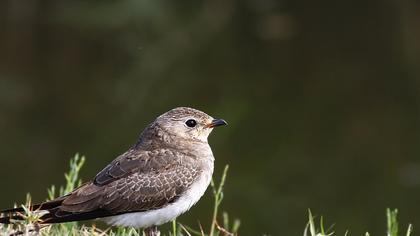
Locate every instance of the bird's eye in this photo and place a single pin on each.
(191, 123)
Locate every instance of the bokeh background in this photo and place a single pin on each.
(322, 100)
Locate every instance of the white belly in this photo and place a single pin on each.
(165, 214)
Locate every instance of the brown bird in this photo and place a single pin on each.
(157, 179)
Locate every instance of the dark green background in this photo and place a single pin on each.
(322, 100)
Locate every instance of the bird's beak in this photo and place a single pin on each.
(216, 122)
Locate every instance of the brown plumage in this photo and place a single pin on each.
(147, 181)
(161, 167)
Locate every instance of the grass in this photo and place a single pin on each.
(220, 224)
(392, 226)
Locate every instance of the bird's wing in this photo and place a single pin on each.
(135, 181)
(134, 161)
(138, 182)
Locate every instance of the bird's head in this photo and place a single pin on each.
(188, 123)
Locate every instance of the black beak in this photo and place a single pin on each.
(216, 122)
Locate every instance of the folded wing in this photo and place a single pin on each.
(135, 181)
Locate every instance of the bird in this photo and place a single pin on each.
(157, 179)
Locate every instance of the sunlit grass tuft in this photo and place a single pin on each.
(392, 226)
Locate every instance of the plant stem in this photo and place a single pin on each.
(218, 196)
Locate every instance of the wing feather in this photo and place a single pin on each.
(135, 182)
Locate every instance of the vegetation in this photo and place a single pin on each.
(392, 226)
(30, 225)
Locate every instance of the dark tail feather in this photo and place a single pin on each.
(7, 219)
(17, 213)
(54, 215)
(58, 216)
(43, 206)
(10, 215)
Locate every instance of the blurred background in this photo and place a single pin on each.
(322, 100)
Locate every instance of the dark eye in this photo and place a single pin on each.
(191, 123)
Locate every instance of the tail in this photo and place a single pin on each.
(80, 204)
(53, 213)
(6, 216)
